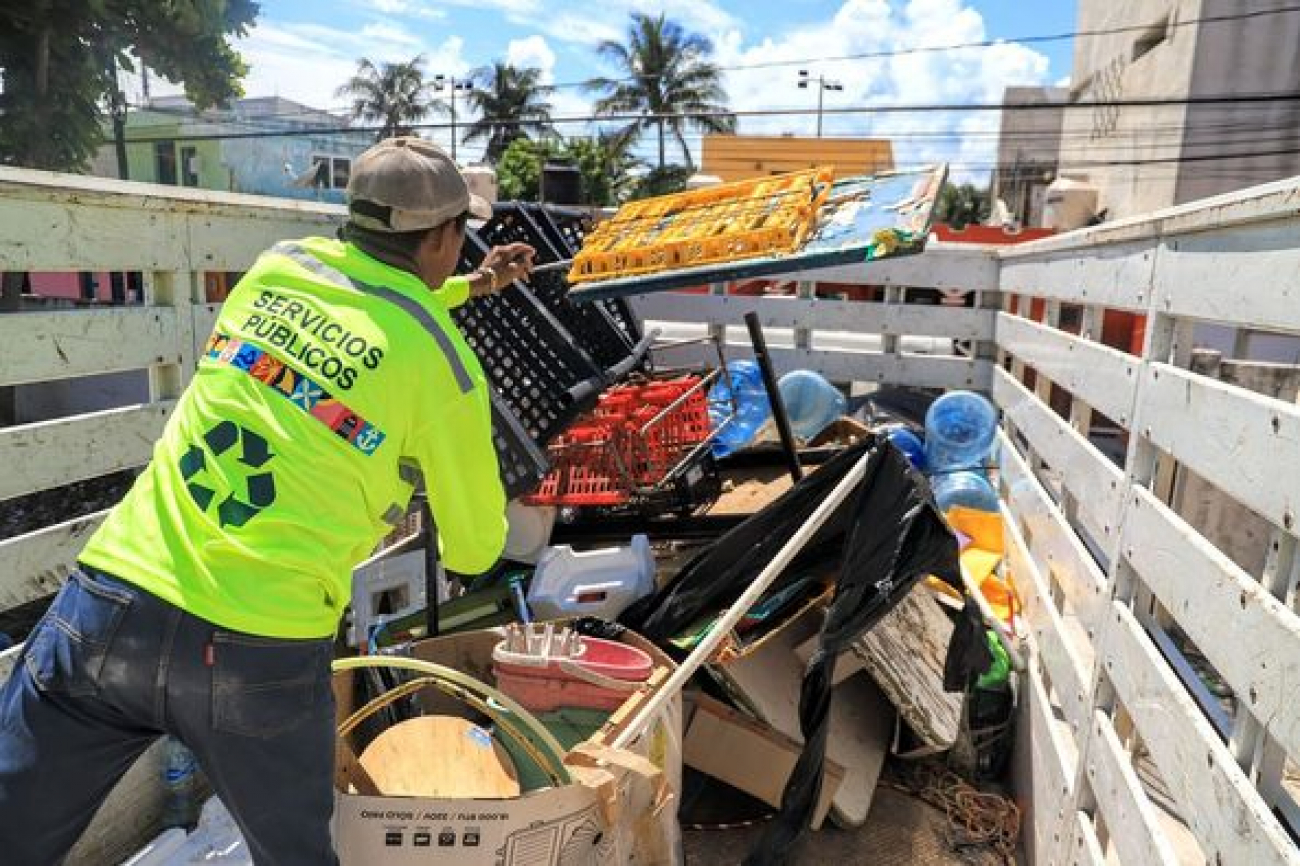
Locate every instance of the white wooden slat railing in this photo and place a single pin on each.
(1118, 585)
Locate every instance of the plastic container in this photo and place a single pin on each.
(959, 430)
(810, 401)
(547, 669)
(180, 779)
(600, 583)
(752, 407)
(965, 487)
(912, 446)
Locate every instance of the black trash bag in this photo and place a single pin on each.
(969, 656)
(896, 536)
(718, 575)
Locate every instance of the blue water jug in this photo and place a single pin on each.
(752, 408)
(910, 444)
(964, 487)
(959, 430)
(810, 401)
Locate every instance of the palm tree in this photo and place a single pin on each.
(669, 80)
(393, 94)
(509, 101)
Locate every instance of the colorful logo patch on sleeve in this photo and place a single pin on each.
(300, 390)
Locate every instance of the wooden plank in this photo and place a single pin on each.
(904, 653)
(35, 565)
(1096, 483)
(1251, 637)
(928, 371)
(1070, 675)
(1225, 813)
(53, 453)
(1051, 805)
(1231, 437)
(55, 222)
(768, 679)
(1104, 377)
(1247, 276)
(864, 317)
(1052, 543)
(1087, 847)
(1116, 276)
(63, 344)
(1132, 820)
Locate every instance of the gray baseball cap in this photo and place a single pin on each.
(406, 184)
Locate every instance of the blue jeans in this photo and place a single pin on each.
(110, 668)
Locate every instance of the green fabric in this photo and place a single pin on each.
(1000, 669)
(205, 529)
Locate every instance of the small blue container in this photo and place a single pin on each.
(964, 487)
(912, 446)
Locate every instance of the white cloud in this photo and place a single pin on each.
(412, 8)
(532, 51)
(864, 27)
(390, 33)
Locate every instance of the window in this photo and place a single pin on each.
(1151, 37)
(342, 171)
(164, 161)
(332, 172)
(189, 166)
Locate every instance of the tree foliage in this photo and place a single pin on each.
(60, 60)
(668, 78)
(603, 163)
(511, 103)
(959, 206)
(394, 95)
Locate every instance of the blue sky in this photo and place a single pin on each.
(302, 49)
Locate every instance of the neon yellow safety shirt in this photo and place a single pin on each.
(330, 383)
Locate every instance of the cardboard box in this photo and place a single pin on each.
(620, 809)
(749, 755)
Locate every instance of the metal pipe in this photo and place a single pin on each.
(747, 600)
(774, 394)
(431, 623)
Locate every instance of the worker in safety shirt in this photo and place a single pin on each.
(205, 605)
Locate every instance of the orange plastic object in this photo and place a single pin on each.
(741, 220)
(631, 440)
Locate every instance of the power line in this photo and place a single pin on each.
(956, 108)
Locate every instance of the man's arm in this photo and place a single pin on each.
(501, 267)
(459, 463)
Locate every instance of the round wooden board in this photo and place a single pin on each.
(439, 756)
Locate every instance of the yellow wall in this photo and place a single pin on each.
(740, 157)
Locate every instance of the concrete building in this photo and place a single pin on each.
(169, 142)
(741, 157)
(1029, 143)
(1152, 156)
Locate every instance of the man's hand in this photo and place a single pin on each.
(501, 267)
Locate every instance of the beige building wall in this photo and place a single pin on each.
(1102, 143)
(1029, 143)
(1246, 56)
(741, 157)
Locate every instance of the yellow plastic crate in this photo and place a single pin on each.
(741, 220)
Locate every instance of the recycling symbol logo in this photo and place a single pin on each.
(238, 506)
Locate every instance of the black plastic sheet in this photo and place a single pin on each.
(887, 536)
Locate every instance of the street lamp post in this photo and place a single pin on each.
(823, 84)
(452, 85)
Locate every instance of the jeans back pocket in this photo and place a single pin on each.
(263, 687)
(65, 653)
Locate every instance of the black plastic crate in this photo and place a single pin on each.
(604, 329)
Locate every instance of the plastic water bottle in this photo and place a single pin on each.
(810, 401)
(180, 780)
(966, 487)
(752, 407)
(959, 429)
